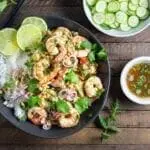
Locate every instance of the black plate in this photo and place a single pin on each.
(9, 12)
(86, 117)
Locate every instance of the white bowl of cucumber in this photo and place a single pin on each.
(118, 18)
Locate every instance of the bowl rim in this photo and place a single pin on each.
(85, 7)
(100, 108)
(123, 83)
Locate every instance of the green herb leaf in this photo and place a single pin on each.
(86, 44)
(62, 106)
(112, 129)
(105, 136)
(103, 122)
(82, 104)
(3, 5)
(101, 55)
(91, 56)
(33, 86)
(71, 77)
(33, 101)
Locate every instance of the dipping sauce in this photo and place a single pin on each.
(138, 80)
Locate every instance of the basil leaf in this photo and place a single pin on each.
(101, 55)
(33, 101)
(62, 106)
(82, 104)
(91, 56)
(103, 122)
(33, 86)
(86, 44)
(71, 77)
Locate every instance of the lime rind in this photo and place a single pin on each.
(28, 36)
(38, 22)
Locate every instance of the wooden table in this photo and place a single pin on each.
(134, 120)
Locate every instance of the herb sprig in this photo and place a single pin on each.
(108, 124)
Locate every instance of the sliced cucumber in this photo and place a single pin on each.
(121, 17)
(133, 21)
(141, 12)
(109, 18)
(133, 6)
(144, 17)
(113, 6)
(101, 6)
(99, 18)
(143, 3)
(124, 6)
(131, 13)
(93, 11)
(105, 26)
(125, 27)
(114, 25)
(135, 2)
(91, 2)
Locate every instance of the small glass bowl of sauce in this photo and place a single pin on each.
(135, 80)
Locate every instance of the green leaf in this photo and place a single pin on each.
(101, 55)
(86, 44)
(3, 5)
(33, 101)
(82, 104)
(91, 56)
(71, 77)
(33, 86)
(112, 129)
(105, 136)
(62, 106)
(103, 122)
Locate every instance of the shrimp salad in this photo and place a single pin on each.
(49, 76)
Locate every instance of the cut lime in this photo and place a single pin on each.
(28, 36)
(8, 42)
(38, 22)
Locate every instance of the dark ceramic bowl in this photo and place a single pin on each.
(88, 116)
(9, 12)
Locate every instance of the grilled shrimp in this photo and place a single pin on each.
(61, 31)
(82, 53)
(61, 55)
(92, 86)
(69, 120)
(39, 67)
(78, 39)
(37, 115)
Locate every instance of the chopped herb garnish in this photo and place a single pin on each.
(62, 106)
(71, 77)
(82, 104)
(10, 84)
(33, 101)
(86, 45)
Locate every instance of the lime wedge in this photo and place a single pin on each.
(38, 22)
(8, 42)
(28, 36)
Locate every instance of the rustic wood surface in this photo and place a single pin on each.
(134, 120)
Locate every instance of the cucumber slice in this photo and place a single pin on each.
(114, 25)
(3, 5)
(131, 13)
(105, 26)
(113, 6)
(109, 18)
(108, 1)
(133, 6)
(124, 6)
(135, 2)
(144, 3)
(93, 11)
(101, 6)
(125, 27)
(133, 21)
(141, 12)
(99, 18)
(144, 17)
(91, 2)
(121, 17)
(123, 0)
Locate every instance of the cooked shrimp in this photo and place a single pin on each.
(37, 115)
(92, 86)
(69, 120)
(61, 55)
(61, 31)
(78, 39)
(39, 67)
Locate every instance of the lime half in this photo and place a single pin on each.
(8, 42)
(28, 36)
(38, 22)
